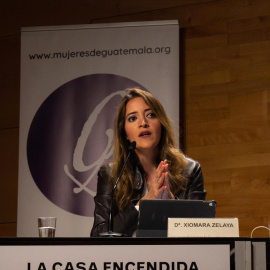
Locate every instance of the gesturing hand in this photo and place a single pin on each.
(158, 186)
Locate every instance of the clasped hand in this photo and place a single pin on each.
(158, 186)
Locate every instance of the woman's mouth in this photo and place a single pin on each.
(145, 134)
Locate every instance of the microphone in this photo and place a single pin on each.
(110, 232)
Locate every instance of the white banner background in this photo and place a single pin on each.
(162, 257)
(40, 78)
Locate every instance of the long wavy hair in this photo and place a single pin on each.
(167, 148)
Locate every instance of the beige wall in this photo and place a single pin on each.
(225, 78)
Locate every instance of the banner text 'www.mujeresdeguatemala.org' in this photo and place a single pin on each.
(100, 53)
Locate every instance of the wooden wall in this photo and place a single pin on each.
(225, 78)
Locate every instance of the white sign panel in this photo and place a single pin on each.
(134, 257)
(203, 227)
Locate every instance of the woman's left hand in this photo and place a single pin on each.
(166, 192)
(159, 187)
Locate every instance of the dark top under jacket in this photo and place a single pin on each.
(126, 221)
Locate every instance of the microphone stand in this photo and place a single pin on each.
(110, 232)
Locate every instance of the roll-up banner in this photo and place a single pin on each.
(72, 79)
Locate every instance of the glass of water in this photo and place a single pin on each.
(46, 226)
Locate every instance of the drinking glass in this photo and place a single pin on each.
(46, 226)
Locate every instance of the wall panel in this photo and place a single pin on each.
(10, 82)
(8, 175)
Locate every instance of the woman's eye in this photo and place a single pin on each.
(131, 119)
(151, 115)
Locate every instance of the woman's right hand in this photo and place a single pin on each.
(158, 186)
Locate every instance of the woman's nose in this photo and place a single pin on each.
(144, 123)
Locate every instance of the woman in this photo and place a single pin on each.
(156, 170)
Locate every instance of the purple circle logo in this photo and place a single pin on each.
(71, 137)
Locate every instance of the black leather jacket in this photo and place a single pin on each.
(126, 221)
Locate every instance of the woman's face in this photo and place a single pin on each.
(141, 125)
